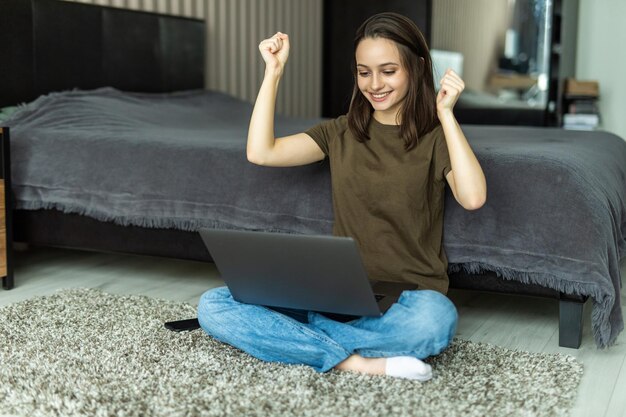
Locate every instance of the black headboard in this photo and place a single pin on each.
(53, 45)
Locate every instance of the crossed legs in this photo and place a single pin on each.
(421, 324)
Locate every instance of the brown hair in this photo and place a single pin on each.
(418, 112)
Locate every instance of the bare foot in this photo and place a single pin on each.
(357, 363)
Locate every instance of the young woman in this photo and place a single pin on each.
(390, 158)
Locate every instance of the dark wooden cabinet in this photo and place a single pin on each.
(6, 229)
(341, 20)
(563, 45)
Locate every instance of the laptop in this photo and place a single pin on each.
(305, 272)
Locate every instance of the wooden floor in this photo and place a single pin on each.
(515, 322)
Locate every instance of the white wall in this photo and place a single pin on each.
(601, 56)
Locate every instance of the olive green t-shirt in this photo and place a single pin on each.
(389, 200)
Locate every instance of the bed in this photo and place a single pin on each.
(135, 156)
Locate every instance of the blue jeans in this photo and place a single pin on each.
(420, 324)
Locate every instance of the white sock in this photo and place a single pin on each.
(408, 367)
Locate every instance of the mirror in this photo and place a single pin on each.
(501, 48)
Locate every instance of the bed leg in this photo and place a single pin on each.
(571, 320)
(7, 282)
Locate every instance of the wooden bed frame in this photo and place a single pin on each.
(52, 45)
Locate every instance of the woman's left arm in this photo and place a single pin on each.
(466, 179)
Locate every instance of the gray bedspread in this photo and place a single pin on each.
(555, 216)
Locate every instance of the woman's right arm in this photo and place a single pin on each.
(263, 148)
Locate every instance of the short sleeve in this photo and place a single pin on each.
(326, 131)
(442, 157)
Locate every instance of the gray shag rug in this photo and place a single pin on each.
(83, 352)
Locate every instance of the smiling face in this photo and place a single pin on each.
(381, 77)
